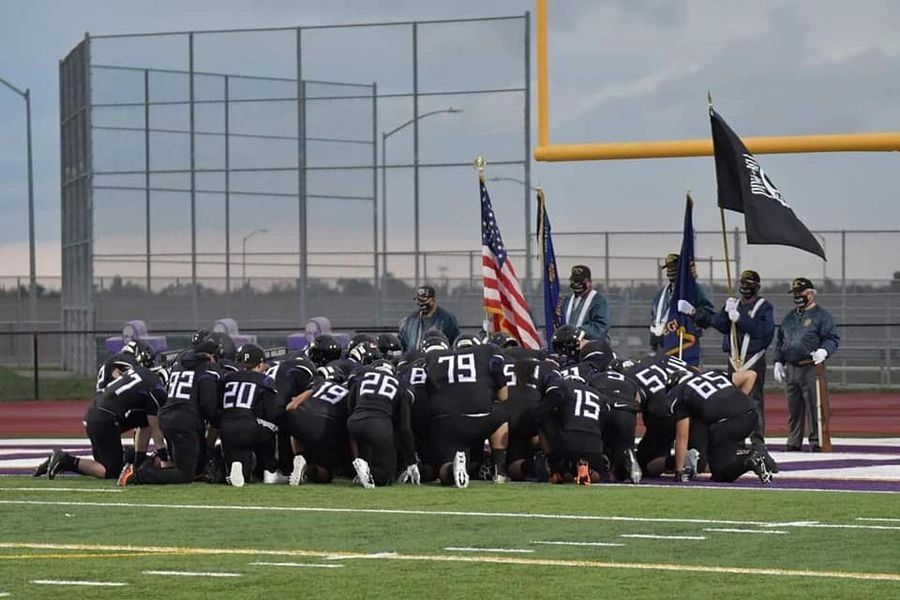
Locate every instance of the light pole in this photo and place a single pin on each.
(384, 136)
(824, 262)
(32, 281)
(513, 179)
(244, 252)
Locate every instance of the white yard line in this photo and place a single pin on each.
(82, 583)
(727, 530)
(444, 513)
(500, 550)
(508, 560)
(547, 543)
(649, 536)
(191, 574)
(292, 564)
(885, 519)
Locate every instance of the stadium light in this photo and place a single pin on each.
(244, 252)
(384, 136)
(32, 271)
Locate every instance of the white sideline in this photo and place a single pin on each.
(577, 543)
(508, 560)
(191, 574)
(888, 519)
(648, 536)
(727, 530)
(62, 489)
(445, 513)
(85, 583)
(291, 564)
(501, 550)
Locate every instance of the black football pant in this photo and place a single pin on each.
(618, 438)
(324, 439)
(374, 439)
(242, 439)
(180, 430)
(758, 435)
(106, 440)
(724, 439)
(659, 437)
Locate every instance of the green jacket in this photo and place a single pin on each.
(596, 322)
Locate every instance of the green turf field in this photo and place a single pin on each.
(340, 541)
(54, 385)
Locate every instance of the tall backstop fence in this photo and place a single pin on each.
(292, 153)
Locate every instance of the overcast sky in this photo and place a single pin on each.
(620, 70)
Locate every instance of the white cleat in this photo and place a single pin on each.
(634, 469)
(500, 478)
(298, 475)
(460, 475)
(236, 476)
(363, 474)
(692, 463)
(274, 477)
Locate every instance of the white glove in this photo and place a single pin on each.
(734, 315)
(686, 308)
(657, 330)
(731, 304)
(819, 355)
(410, 475)
(779, 372)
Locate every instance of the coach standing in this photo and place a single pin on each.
(754, 325)
(807, 337)
(427, 316)
(586, 308)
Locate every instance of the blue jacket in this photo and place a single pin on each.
(597, 320)
(760, 327)
(802, 332)
(414, 326)
(704, 308)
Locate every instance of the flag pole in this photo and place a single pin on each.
(479, 165)
(735, 357)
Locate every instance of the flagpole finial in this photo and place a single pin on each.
(709, 101)
(479, 164)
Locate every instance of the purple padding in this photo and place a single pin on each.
(297, 342)
(241, 339)
(114, 344)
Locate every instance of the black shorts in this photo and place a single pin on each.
(324, 440)
(374, 439)
(657, 439)
(452, 433)
(572, 446)
(106, 441)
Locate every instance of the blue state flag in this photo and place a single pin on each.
(681, 334)
(552, 304)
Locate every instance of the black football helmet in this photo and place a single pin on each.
(198, 337)
(362, 337)
(434, 340)
(677, 377)
(229, 349)
(467, 341)
(364, 352)
(389, 344)
(567, 341)
(143, 353)
(501, 339)
(597, 352)
(323, 349)
(385, 366)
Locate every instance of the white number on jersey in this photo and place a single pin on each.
(331, 392)
(180, 385)
(509, 371)
(131, 378)
(708, 384)
(101, 375)
(460, 367)
(239, 394)
(574, 371)
(379, 384)
(587, 404)
(417, 376)
(654, 376)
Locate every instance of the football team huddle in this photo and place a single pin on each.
(482, 407)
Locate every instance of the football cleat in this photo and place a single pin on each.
(583, 477)
(498, 478)
(298, 475)
(125, 475)
(41, 469)
(632, 468)
(487, 470)
(757, 464)
(691, 463)
(274, 477)
(236, 475)
(771, 465)
(363, 474)
(541, 467)
(460, 475)
(55, 463)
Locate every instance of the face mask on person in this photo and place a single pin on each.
(424, 305)
(578, 286)
(800, 300)
(747, 291)
(672, 273)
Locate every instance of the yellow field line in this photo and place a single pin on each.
(503, 560)
(81, 556)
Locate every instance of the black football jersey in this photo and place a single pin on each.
(329, 399)
(583, 370)
(137, 389)
(709, 397)
(247, 393)
(292, 376)
(650, 376)
(120, 361)
(618, 391)
(581, 409)
(374, 393)
(195, 387)
(463, 381)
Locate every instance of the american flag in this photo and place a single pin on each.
(503, 299)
